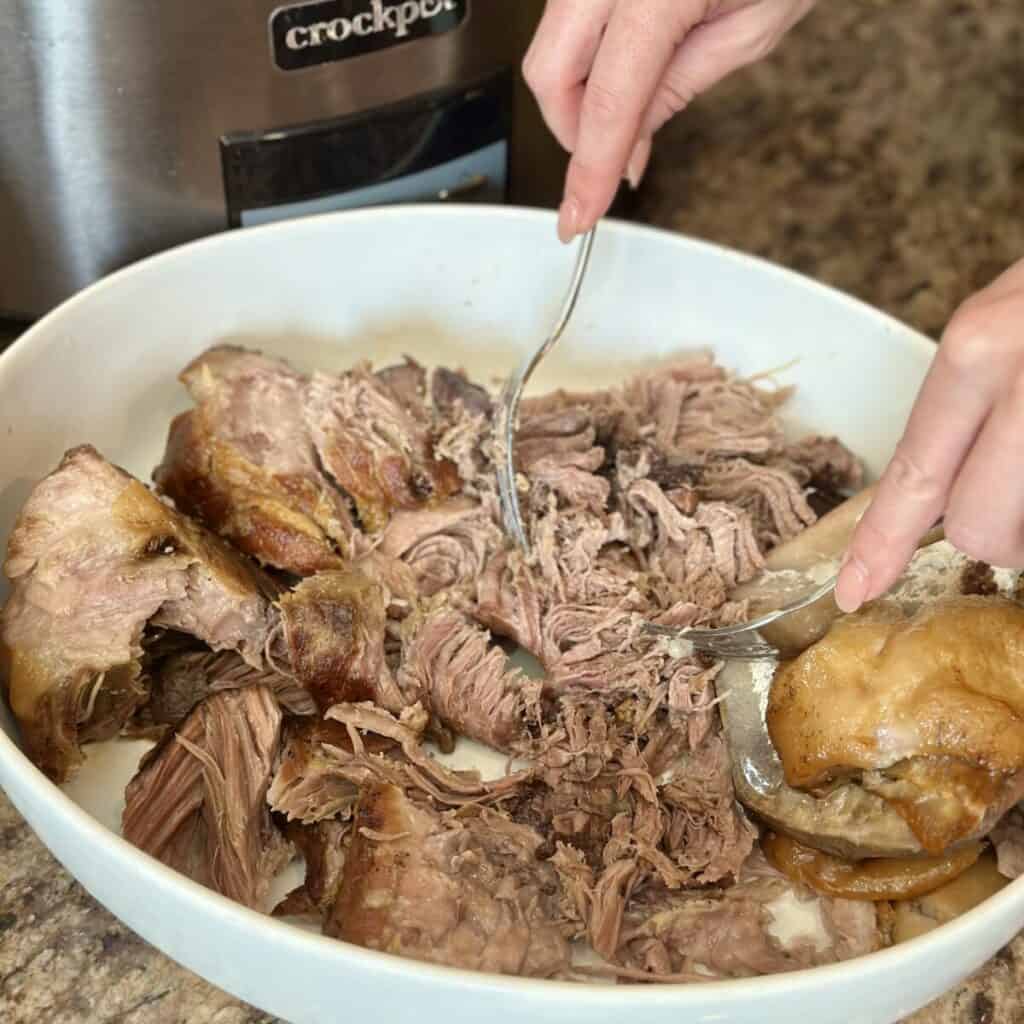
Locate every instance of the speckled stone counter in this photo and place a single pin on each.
(881, 150)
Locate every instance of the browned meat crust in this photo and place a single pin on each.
(94, 559)
(334, 627)
(243, 462)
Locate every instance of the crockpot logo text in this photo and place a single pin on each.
(396, 19)
(315, 33)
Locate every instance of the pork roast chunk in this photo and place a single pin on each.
(374, 446)
(310, 784)
(243, 462)
(447, 546)
(323, 847)
(93, 559)
(183, 679)
(923, 707)
(762, 925)
(407, 382)
(451, 390)
(454, 669)
(334, 628)
(462, 892)
(199, 800)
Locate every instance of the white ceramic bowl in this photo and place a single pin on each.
(477, 286)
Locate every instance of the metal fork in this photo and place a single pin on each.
(505, 421)
(744, 641)
(741, 642)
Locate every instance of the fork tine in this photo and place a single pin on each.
(508, 407)
(743, 641)
(749, 649)
(504, 429)
(740, 652)
(733, 643)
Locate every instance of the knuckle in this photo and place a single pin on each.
(913, 478)
(526, 68)
(676, 94)
(870, 544)
(755, 40)
(970, 339)
(985, 545)
(603, 104)
(533, 74)
(588, 181)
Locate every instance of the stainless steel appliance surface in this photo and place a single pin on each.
(126, 128)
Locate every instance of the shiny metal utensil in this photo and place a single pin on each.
(754, 640)
(505, 421)
(742, 642)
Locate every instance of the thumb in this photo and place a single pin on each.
(715, 49)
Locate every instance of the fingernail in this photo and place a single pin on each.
(853, 583)
(568, 219)
(637, 165)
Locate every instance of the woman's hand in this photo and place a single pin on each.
(609, 73)
(962, 454)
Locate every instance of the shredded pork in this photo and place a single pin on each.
(199, 803)
(298, 715)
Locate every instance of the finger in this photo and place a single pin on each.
(1007, 284)
(638, 161)
(559, 60)
(979, 354)
(740, 34)
(985, 517)
(986, 506)
(637, 46)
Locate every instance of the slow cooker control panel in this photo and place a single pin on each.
(451, 145)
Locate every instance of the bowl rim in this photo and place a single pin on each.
(314, 223)
(18, 773)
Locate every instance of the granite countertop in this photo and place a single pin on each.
(880, 150)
